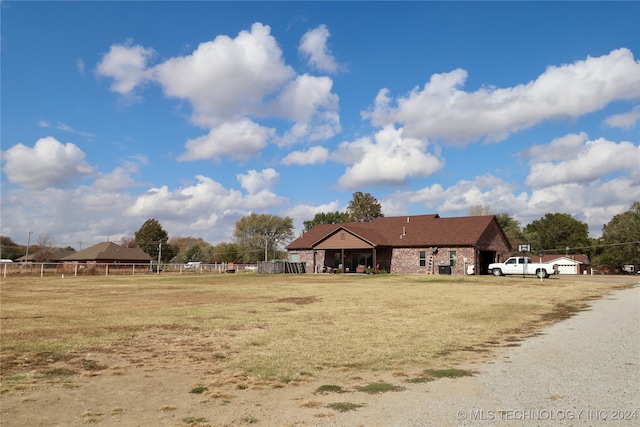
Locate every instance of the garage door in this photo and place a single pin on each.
(567, 269)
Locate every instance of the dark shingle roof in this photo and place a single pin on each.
(53, 256)
(109, 251)
(405, 231)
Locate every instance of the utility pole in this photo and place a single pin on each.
(26, 257)
(540, 254)
(265, 249)
(159, 256)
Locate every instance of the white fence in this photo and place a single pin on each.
(119, 269)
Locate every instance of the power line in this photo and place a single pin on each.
(569, 248)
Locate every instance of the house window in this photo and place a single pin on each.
(423, 258)
(453, 257)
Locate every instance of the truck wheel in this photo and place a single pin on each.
(542, 273)
(497, 272)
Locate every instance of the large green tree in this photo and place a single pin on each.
(621, 239)
(259, 234)
(512, 229)
(189, 249)
(364, 208)
(509, 225)
(326, 218)
(556, 232)
(225, 252)
(10, 249)
(152, 239)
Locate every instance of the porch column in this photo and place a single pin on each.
(476, 261)
(342, 261)
(315, 262)
(375, 263)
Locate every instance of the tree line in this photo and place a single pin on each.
(260, 237)
(560, 233)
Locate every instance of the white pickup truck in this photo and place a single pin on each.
(522, 265)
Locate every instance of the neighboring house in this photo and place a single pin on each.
(568, 264)
(108, 252)
(53, 255)
(24, 258)
(420, 244)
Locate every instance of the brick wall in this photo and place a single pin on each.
(492, 240)
(407, 260)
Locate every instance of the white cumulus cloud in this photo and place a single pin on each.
(121, 177)
(387, 159)
(313, 46)
(48, 164)
(304, 212)
(626, 120)
(483, 190)
(237, 140)
(311, 156)
(254, 181)
(233, 85)
(590, 161)
(443, 110)
(564, 147)
(594, 201)
(127, 66)
(202, 201)
(188, 202)
(309, 101)
(226, 78)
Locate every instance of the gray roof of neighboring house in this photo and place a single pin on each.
(109, 251)
(53, 256)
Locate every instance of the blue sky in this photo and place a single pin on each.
(199, 113)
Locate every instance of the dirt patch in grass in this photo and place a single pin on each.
(300, 300)
(329, 388)
(564, 311)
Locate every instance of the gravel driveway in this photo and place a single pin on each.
(582, 371)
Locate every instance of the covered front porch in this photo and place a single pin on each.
(344, 252)
(357, 260)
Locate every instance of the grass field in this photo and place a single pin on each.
(275, 327)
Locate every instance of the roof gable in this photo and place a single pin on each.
(344, 238)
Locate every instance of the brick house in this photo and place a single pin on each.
(420, 244)
(108, 252)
